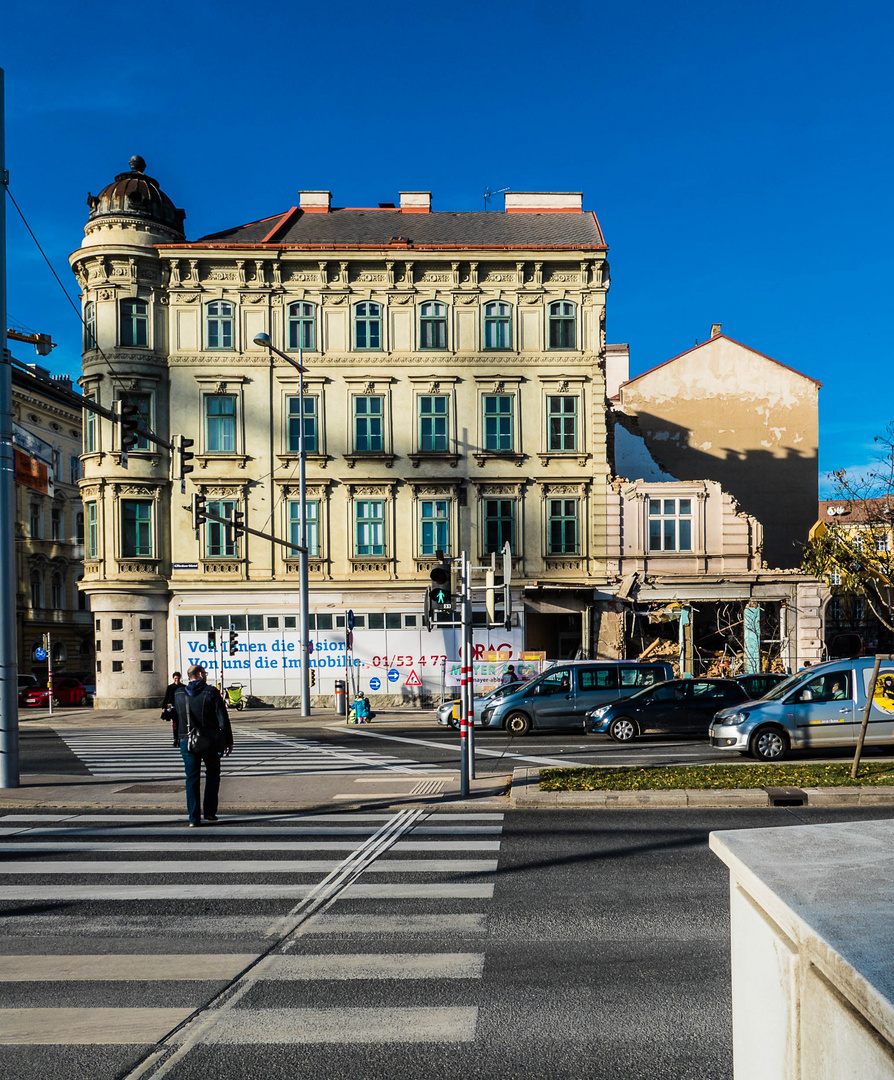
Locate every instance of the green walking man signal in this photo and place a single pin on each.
(440, 594)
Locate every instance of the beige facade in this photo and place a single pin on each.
(725, 412)
(455, 382)
(49, 528)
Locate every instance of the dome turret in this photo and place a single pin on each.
(134, 200)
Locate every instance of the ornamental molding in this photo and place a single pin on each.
(221, 490)
(550, 488)
(513, 490)
(91, 492)
(144, 566)
(231, 566)
(380, 490)
(435, 379)
(557, 563)
(221, 384)
(209, 359)
(401, 298)
(426, 489)
(466, 298)
(254, 298)
(185, 298)
(318, 489)
(364, 566)
(334, 299)
(540, 360)
(564, 380)
(143, 491)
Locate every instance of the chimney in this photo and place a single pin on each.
(544, 202)
(314, 202)
(415, 202)
(617, 368)
(715, 329)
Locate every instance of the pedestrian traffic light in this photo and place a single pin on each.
(439, 592)
(198, 512)
(129, 419)
(313, 677)
(234, 637)
(212, 641)
(181, 456)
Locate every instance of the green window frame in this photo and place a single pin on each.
(136, 528)
(311, 430)
(135, 323)
(89, 325)
(368, 326)
(497, 325)
(433, 325)
(670, 524)
(220, 423)
(499, 524)
(498, 423)
(562, 325)
(434, 526)
(312, 526)
(302, 325)
(219, 323)
(563, 527)
(92, 537)
(369, 527)
(221, 542)
(561, 419)
(369, 413)
(434, 422)
(89, 428)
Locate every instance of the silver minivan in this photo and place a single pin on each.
(819, 707)
(564, 693)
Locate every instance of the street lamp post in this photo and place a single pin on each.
(263, 340)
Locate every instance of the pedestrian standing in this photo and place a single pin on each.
(509, 676)
(168, 712)
(202, 722)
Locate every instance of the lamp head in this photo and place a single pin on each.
(263, 340)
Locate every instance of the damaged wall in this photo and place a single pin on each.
(725, 412)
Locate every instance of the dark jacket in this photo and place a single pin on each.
(207, 708)
(168, 699)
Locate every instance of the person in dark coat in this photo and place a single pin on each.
(167, 705)
(200, 706)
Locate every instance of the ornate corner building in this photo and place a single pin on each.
(454, 399)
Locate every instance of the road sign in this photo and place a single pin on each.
(375, 683)
(393, 674)
(350, 620)
(413, 679)
(40, 653)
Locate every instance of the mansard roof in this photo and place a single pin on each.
(392, 228)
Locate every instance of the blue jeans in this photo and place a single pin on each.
(192, 763)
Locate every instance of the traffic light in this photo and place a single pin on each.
(237, 524)
(234, 638)
(198, 512)
(439, 592)
(129, 419)
(180, 458)
(212, 641)
(313, 676)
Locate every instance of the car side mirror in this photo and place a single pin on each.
(806, 695)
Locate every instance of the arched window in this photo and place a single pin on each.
(89, 325)
(368, 326)
(60, 653)
(497, 326)
(219, 325)
(433, 326)
(302, 326)
(135, 323)
(36, 589)
(562, 325)
(57, 591)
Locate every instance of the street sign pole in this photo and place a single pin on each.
(467, 613)
(49, 647)
(465, 688)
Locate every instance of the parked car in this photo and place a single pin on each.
(563, 694)
(678, 705)
(757, 685)
(88, 678)
(447, 708)
(819, 707)
(66, 691)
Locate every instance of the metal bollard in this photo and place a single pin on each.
(341, 698)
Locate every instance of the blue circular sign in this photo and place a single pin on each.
(393, 674)
(40, 653)
(375, 683)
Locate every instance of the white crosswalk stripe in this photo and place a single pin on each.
(146, 753)
(246, 868)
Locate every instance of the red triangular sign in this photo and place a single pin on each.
(413, 679)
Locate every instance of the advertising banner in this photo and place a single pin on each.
(32, 473)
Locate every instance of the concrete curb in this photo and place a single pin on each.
(526, 795)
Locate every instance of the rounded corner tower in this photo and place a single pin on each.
(125, 354)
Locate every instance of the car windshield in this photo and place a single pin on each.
(781, 689)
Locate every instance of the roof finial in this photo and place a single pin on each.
(137, 164)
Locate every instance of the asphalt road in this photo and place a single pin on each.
(535, 944)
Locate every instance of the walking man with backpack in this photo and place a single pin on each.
(204, 735)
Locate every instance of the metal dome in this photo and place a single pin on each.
(136, 195)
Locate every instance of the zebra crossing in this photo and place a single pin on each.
(144, 753)
(279, 931)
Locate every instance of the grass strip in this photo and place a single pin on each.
(714, 777)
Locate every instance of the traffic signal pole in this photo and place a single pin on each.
(466, 688)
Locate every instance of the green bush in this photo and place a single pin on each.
(714, 777)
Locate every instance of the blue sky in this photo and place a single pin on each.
(738, 156)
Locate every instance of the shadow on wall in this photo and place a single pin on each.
(779, 489)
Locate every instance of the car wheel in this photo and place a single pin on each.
(83, 699)
(453, 722)
(623, 729)
(518, 723)
(769, 744)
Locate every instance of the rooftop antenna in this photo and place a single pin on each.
(488, 194)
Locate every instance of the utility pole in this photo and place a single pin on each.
(9, 703)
